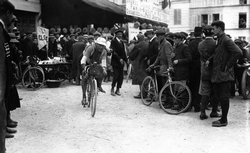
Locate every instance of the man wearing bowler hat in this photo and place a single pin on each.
(195, 69)
(117, 61)
(152, 47)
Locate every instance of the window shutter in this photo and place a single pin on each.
(221, 17)
(175, 16)
(209, 19)
(198, 23)
(179, 16)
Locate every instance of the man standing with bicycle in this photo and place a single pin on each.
(94, 54)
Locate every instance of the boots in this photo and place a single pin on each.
(112, 91)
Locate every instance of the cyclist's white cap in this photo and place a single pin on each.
(101, 41)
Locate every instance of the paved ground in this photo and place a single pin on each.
(52, 120)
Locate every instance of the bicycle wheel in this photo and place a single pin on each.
(175, 97)
(62, 72)
(245, 84)
(33, 78)
(93, 97)
(148, 91)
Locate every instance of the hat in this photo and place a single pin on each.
(161, 32)
(185, 35)
(51, 35)
(238, 41)
(13, 38)
(150, 31)
(178, 35)
(197, 30)
(118, 30)
(90, 37)
(208, 30)
(97, 33)
(85, 36)
(72, 35)
(101, 41)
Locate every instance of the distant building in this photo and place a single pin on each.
(27, 12)
(179, 16)
(235, 14)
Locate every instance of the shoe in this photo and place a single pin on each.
(219, 123)
(13, 121)
(214, 115)
(7, 135)
(137, 97)
(203, 116)
(101, 90)
(84, 103)
(112, 92)
(11, 124)
(117, 92)
(9, 130)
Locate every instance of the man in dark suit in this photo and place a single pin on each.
(117, 61)
(152, 47)
(195, 69)
(226, 55)
(6, 15)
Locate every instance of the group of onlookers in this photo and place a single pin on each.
(207, 63)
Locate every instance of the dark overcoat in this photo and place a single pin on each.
(153, 50)
(118, 53)
(225, 57)
(182, 54)
(77, 49)
(138, 55)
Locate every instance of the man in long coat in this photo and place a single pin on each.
(77, 50)
(225, 57)
(152, 47)
(195, 69)
(6, 15)
(138, 55)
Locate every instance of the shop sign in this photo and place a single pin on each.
(147, 9)
(42, 37)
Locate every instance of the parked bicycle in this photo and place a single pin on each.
(91, 89)
(245, 82)
(174, 97)
(31, 78)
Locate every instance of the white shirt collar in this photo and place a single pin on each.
(152, 38)
(118, 39)
(2, 23)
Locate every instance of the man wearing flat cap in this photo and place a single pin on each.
(164, 56)
(181, 59)
(195, 69)
(118, 60)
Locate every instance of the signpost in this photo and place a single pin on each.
(42, 38)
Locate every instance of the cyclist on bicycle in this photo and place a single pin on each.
(94, 54)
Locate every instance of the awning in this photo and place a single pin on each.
(107, 5)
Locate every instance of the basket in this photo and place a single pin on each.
(53, 83)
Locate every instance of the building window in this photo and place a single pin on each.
(242, 20)
(204, 20)
(242, 2)
(177, 16)
(216, 17)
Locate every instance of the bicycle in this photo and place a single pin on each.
(32, 77)
(174, 97)
(91, 89)
(245, 82)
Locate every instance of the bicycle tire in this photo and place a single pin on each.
(148, 91)
(93, 97)
(62, 72)
(245, 85)
(33, 78)
(175, 97)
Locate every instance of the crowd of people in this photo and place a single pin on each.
(207, 61)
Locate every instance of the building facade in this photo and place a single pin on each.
(235, 14)
(179, 16)
(27, 12)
